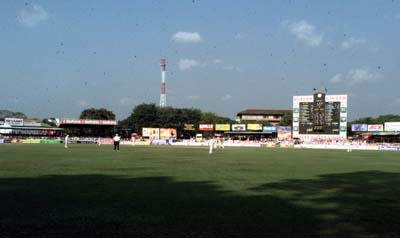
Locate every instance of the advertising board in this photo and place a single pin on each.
(153, 133)
(392, 126)
(254, 127)
(14, 121)
(375, 127)
(49, 141)
(30, 141)
(199, 137)
(238, 127)
(188, 127)
(359, 127)
(284, 132)
(206, 127)
(222, 127)
(142, 142)
(269, 129)
(88, 122)
(167, 133)
(284, 129)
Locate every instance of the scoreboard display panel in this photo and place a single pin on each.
(319, 115)
(328, 122)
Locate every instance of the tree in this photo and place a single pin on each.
(287, 119)
(143, 115)
(50, 122)
(365, 120)
(213, 118)
(378, 120)
(150, 115)
(97, 114)
(388, 118)
(188, 116)
(8, 113)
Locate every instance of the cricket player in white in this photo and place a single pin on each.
(211, 145)
(133, 140)
(116, 140)
(66, 141)
(220, 143)
(349, 146)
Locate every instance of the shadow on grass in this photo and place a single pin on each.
(353, 205)
(361, 204)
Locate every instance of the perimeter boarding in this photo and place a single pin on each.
(216, 143)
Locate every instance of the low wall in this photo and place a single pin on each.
(339, 147)
(190, 143)
(29, 141)
(50, 141)
(146, 142)
(205, 143)
(38, 141)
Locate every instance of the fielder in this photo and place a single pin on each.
(349, 146)
(116, 140)
(211, 145)
(66, 141)
(220, 143)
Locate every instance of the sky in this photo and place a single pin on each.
(61, 57)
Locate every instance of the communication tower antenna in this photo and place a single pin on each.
(163, 94)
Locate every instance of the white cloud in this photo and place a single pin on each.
(227, 97)
(397, 101)
(356, 76)
(218, 61)
(126, 101)
(186, 64)
(229, 67)
(187, 37)
(352, 95)
(306, 33)
(392, 17)
(352, 42)
(83, 103)
(240, 35)
(373, 49)
(32, 17)
(361, 75)
(193, 97)
(336, 79)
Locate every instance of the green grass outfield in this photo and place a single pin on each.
(91, 191)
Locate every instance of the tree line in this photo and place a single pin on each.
(377, 120)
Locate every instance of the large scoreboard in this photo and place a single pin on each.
(319, 115)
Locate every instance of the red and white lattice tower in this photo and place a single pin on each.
(163, 94)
